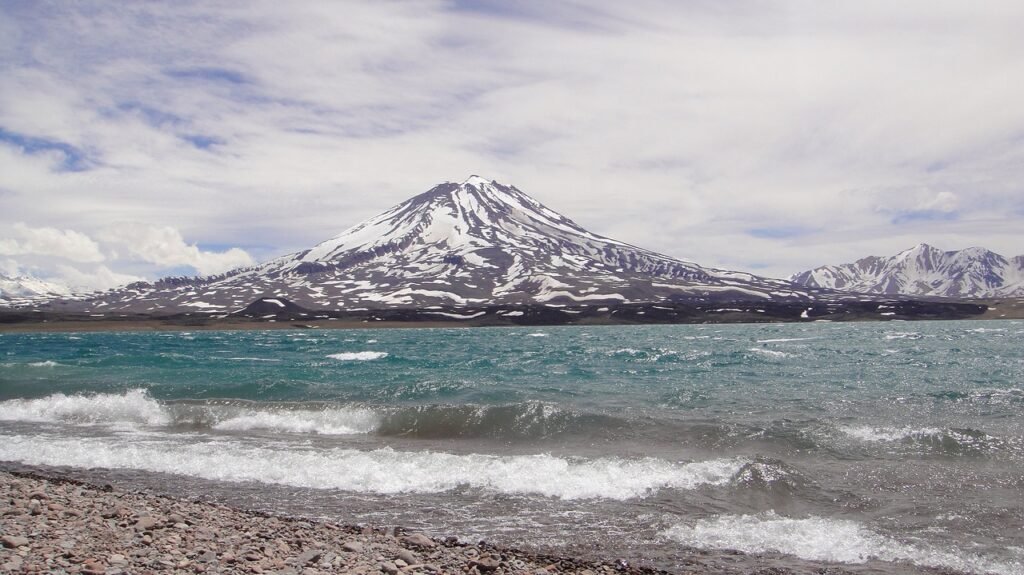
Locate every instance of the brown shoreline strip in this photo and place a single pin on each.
(59, 525)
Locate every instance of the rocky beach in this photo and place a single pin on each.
(56, 525)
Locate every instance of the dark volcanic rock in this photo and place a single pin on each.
(273, 308)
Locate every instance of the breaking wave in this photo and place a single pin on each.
(518, 421)
(381, 471)
(132, 407)
(820, 539)
(335, 421)
(515, 421)
(948, 440)
(136, 407)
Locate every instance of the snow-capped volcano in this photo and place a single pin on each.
(480, 227)
(472, 243)
(924, 270)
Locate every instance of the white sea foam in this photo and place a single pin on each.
(379, 471)
(131, 407)
(358, 355)
(47, 363)
(537, 334)
(785, 339)
(770, 352)
(904, 335)
(820, 539)
(868, 433)
(344, 421)
(965, 439)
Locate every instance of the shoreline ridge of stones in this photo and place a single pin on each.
(54, 524)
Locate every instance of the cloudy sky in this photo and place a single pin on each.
(146, 139)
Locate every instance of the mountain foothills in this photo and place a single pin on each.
(925, 271)
(480, 250)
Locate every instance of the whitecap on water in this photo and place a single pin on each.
(868, 433)
(131, 407)
(903, 335)
(358, 355)
(340, 421)
(821, 539)
(770, 352)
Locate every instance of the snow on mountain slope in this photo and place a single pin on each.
(23, 290)
(477, 242)
(924, 271)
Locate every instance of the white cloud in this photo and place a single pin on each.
(96, 278)
(675, 126)
(156, 251)
(66, 244)
(10, 268)
(945, 202)
(164, 246)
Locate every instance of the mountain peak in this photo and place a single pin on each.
(920, 248)
(924, 270)
(476, 181)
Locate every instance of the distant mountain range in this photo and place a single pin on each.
(925, 271)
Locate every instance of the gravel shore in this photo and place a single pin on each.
(62, 526)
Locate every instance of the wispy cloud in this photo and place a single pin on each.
(822, 130)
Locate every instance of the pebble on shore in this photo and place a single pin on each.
(61, 526)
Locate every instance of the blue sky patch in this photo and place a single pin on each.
(924, 216)
(75, 160)
(202, 142)
(152, 116)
